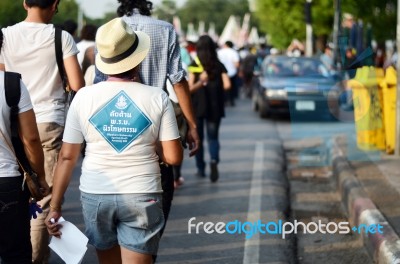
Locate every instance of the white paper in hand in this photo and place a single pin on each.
(72, 245)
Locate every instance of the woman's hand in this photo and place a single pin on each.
(203, 77)
(53, 227)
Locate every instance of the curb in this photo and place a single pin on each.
(383, 248)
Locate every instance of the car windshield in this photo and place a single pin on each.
(290, 67)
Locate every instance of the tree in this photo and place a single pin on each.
(166, 10)
(323, 18)
(380, 14)
(68, 9)
(284, 20)
(12, 12)
(322, 13)
(216, 11)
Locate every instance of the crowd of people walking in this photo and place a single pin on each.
(121, 112)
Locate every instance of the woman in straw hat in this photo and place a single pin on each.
(128, 127)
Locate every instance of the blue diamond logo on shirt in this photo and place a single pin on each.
(120, 121)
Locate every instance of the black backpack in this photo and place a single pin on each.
(60, 64)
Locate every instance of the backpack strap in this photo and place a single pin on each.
(59, 56)
(60, 64)
(12, 87)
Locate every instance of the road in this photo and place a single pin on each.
(252, 186)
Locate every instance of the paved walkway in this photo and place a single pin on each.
(370, 188)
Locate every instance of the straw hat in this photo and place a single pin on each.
(120, 49)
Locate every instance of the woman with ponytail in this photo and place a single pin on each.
(208, 79)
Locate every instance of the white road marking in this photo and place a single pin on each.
(252, 245)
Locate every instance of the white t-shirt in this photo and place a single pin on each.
(82, 46)
(229, 57)
(8, 163)
(28, 48)
(121, 123)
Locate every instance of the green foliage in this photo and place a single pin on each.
(12, 12)
(323, 17)
(380, 14)
(166, 11)
(284, 20)
(216, 11)
(67, 9)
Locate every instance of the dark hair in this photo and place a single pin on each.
(207, 53)
(40, 3)
(70, 26)
(229, 44)
(1, 39)
(126, 7)
(129, 74)
(88, 32)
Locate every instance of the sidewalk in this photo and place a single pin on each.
(369, 184)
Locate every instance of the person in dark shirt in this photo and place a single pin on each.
(351, 64)
(208, 79)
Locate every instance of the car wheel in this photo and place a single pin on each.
(254, 105)
(334, 114)
(263, 110)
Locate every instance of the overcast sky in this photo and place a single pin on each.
(96, 8)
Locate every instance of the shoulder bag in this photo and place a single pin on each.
(180, 117)
(12, 89)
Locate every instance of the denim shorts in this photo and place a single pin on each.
(133, 221)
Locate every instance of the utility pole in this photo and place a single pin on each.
(309, 30)
(80, 19)
(336, 32)
(397, 144)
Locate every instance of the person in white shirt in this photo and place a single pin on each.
(29, 49)
(88, 35)
(231, 60)
(15, 241)
(128, 127)
(86, 55)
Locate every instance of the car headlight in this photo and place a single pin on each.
(277, 93)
